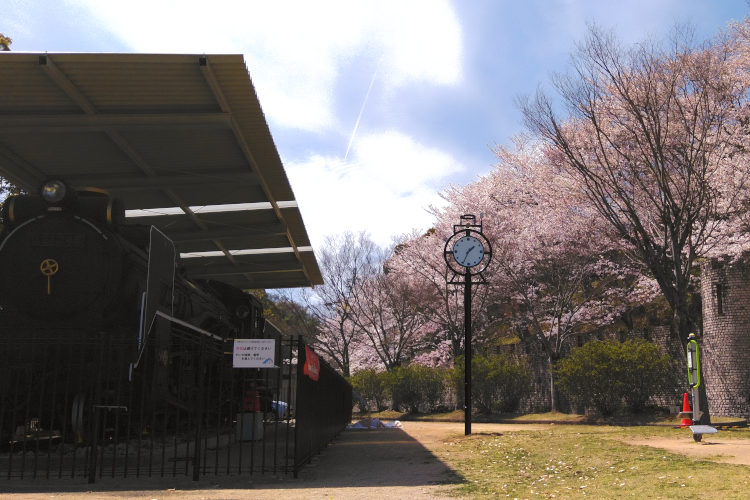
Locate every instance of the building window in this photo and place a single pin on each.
(528, 349)
(720, 291)
(579, 340)
(647, 335)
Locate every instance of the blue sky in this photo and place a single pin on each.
(441, 77)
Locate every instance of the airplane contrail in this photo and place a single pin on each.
(360, 112)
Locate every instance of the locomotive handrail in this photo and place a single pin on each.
(188, 325)
(181, 323)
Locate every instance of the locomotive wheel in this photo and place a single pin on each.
(77, 412)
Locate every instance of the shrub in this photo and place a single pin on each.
(418, 387)
(647, 372)
(498, 383)
(605, 374)
(373, 386)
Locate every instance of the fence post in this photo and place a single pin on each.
(300, 365)
(199, 410)
(95, 414)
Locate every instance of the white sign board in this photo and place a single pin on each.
(254, 353)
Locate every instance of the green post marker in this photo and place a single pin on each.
(693, 362)
(694, 379)
(694, 375)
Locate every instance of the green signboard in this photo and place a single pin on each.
(694, 364)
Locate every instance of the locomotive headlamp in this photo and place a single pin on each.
(54, 191)
(242, 312)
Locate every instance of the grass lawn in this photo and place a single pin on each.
(581, 461)
(624, 419)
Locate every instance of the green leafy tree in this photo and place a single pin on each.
(418, 387)
(373, 386)
(605, 375)
(647, 371)
(5, 42)
(498, 383)
(6, 189)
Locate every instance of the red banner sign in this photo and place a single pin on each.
(312, 364)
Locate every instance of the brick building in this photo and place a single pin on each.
(725, 359)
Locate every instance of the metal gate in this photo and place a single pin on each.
(84, 408)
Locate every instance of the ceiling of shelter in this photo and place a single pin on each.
(181, 139)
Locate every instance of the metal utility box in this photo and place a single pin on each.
(250, 426)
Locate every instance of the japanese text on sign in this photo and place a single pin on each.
(254, 353)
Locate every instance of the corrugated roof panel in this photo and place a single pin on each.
(133, 142)
(70, 154)
(119, 87)
(293, 218)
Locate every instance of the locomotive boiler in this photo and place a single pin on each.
(95, 312)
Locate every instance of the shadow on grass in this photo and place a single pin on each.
(355, 459)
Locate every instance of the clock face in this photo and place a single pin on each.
(468, 251)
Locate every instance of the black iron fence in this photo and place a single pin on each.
(94, 407)
(324, 408)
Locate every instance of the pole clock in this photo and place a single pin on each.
(467, 253)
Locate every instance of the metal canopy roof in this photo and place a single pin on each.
(181, 139)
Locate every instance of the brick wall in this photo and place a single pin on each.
(725, 357)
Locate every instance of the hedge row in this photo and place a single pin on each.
(604, 376)
(608, 375)
(498, 384)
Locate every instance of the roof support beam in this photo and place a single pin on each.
(64, 83)
(224, 105)
(208, 271)
(131, 184)
(102, 122)
(265, 283)
(196, 236)
(91, 111)
(30, 178)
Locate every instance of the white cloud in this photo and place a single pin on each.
(383, 190)
(295, 49)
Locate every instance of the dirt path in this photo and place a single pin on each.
(714, 448)
(367, 464)
(364, 464)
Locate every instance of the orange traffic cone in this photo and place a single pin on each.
(686, 422)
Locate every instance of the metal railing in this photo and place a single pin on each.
(324, 409)
(83, 408)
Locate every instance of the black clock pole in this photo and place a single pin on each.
(467, 234)
(467, 350)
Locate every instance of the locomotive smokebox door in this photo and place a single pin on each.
(56, 266)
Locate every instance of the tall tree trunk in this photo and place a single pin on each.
(554, 403)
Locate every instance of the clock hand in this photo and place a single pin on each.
(469, 250)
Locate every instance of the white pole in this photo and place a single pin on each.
(696, 405)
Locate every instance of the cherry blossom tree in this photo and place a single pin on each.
(655, 141)
(346, 261)
(420, 258)
(392, 311)
(556, 263)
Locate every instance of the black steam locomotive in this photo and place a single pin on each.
(96, 313)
